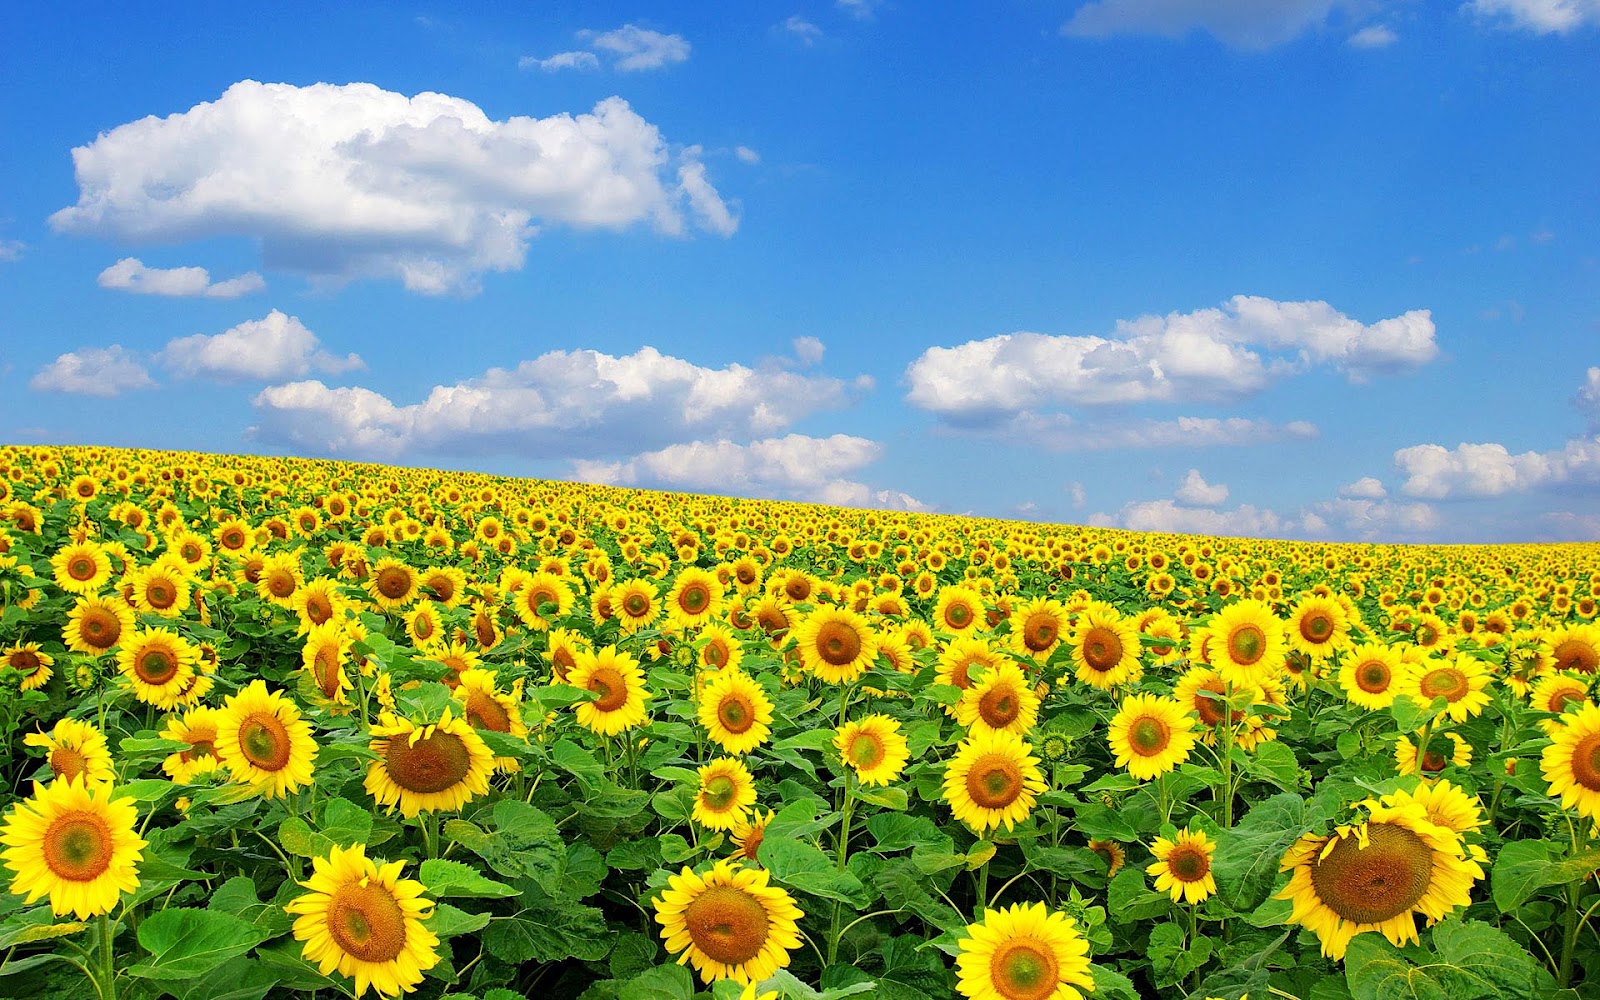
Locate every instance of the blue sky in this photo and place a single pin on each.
(1301, 268)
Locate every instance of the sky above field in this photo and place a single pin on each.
(1290, 268)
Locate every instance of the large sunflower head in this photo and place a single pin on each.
(618, 683)
(1443, 750)
(1024, 952)
(75, 750)
(873, 748)
(959, 610)
(727, 791)
(993, 780)
(96, 625)
(392, 584)
(324, 655)
(540, 600)
(427, 768)
(1575, 648)
(1318, 627)
(836, 644)
(964, 655)
(72, 842)
(1105, 647)
(1460, 680)
(1037, 628)
(635, 605)
(318, 602)
(1002, 699)
(1370, 675)
(264, 741)
(696, 597)
(160, 664)
(1183, 866)
(735, 711)
(280, 577)
(1150, 735)
(198, 728)
(1247, 643)
(1571, 763)
(719, 648)
(729, 923)
(81, 568)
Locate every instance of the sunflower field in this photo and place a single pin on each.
(288, 728)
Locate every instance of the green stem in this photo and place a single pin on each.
(1422, 748)
(1194, 934)
(1569, 936)
(108, 964)
(834, 933)
(1226, 792)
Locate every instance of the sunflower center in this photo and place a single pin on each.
(318, 609)
(264, 741)
(694, 598)
(1210, 709)
(1040, 633)
(1024, 969)
(866, 751)
(1433, 760)
(1316, 627)
(958, 615)
(1148, 736)
(77, 847)
(1102, 648)
(636, 605)
(838, 643)
(67, 762)
(1373, 676)
(1427, 635)
(1446, 682)
(25, 660)
(729, 925)
(434, 764)
(200, 747)
(393, 583)
(1559, 700)
(1376, 884)
(540, 596)
(735, 713)
(101, 629)
(156, 666)
(752, 841)
(1247, 644)
(1188, 863)
(610, 686)
(325, 665)
(366, 922)
(994, 782)
(233, 538)
(81, 568)
(485, 712)
(716, 655)
(797, 589)
(999, 707)
(483, 629)
(280, 583)
(1577, 655)
(423, 626)
(719, 792)
(1586, 762)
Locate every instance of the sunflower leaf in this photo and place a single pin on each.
(188, 943)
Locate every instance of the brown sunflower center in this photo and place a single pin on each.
(866, 751)
(540, 596)
(838, 643)
(561, 663)
(394, 583)
(325, 667)
(422, 625)
(797, 589)
(994, 782)
(1024, 969)
(443, 588)
(694, 598)
(1040, 632)
(67, 762)
(1577, 655)
(735, 713)
(1586, 762)
(1148, 736)
(1316, 627)
(612, 688)
(636, 605)
(1446, 682)
(716, 655)
(752, 841)
(1247, 644)
(483, 630)
(1382, 881)
(366, 921)
(434, 764)
(1102, 648)
(1373, 676)
(280, 583)
(1000, 706)
(81, 568)
(486, 712)
(1560, 699)
(1426, 635)
(727, 924)
(1210, 709)
(77, 846)
(958, 615)
(318, 609)
(233, 538)
(719, 792)
(264, 741)
(100, 628)
(1188, 863)
(156, 665)
(160, 593)
(25, 661)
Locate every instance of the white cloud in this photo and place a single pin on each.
(1373, 36)
(792, 467)
(1245, 24)
(712, 214)
(1365, 488)
(1490, 470)
(802, 29)
(861, 10)
(131, 275)
(1372, 520)
(344, 182)
(273, 347)
(93, 371)
(809, 350)
(634, 48)
(1076, 492)
(1542, 17)
(1209, 354)
(1194, 491)
(579, 59)
(1589, 398)
(1246, 520)
(746, 154)
(11, 250)
(561, 404)
(1567, 526)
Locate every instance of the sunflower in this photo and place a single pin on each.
(835, 644)
(748, 835)
(318, 602)
(97, 624)
(1037, 628)
(1571, 763)
(1447, 805)
(324, 655)
(198, 728)
(34, 666)
(873, 747)
(162, 588)
(392, 584)
(1247, 643)
(1375, 875)
(1150, 735)
(422, 624)
(696, 597)
(727, 791)
(264, 742)
(729, 923)
(619, 683)
(75, 750)
(1113, 854)
(1002, 699)
(1183, 866)
(160, 665)
(538, 592)
(280, 578)
(1023, 952)
(1192, 693)
(735, 711)
(441, 766)
(81, 568)
(1317, 627)
(1575, 648)
(958, 610)
(72, 842)
(993, 780)
(1105, 648)
(957, 660)
(1369, 675)
(486, 707)
(1444, 750)
(1460, 681)
(563, 647)
(635, 605)
(366, 921)
(774, 616)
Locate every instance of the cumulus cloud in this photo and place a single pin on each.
(93, 371)
(578, 59)
(353, 181)
(131, 275)
(802, 29)
(1243, 521)
(11, 250)
(1365, 488)
(710, 211)
(1210, 354)
(634, 48)
(1373, 36)
(1194, 491)
(560, 405)
(1373, 520)
(1490, 470)
(274, 347)
(1542, 17)
(809, 350)
(1196, 509)
(1244, 24)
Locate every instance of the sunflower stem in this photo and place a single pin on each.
(1569, 937)
(834, 933)
(1423, 739)
(108, 964)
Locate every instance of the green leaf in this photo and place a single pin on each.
(579, 763)
(525, 842)
(901, 833)
(549, 935)
(297, 838)
(238, 897)
(448, 922)
(1274, 763)
(1128, 898)
(662, 982)
(187, 943)
(34, 925)
(344, 823)
(1524, 867)
(1247, 856)
(806, 868)
(1172, 958)
(454, 880)
(236, 979)
(887, 798)
(1474, 960)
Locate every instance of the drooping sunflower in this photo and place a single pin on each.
(727, 791)
(31, 663)
(1460, 681)
(958, 610)
(318, 602)
(873, 748)
(1024, 952)
(616, 678)
(1376, 876)
(392, 584)
(729, 923)
(1370, 674)
(96, 625)
(75, 750)
(1150, 735)
(1115, 857)
(1183, 866)
(635, 605)
(1444, 749)
(159, 663)
(1317, 627)
(366, 921)
(835, 644)
(81, 568)
(1202, 690)
(486, 707)
(1002, 699)
(1037, 628)
(993, 780)
(748, 836)
(326, 650)
(1105, 647)
(72, 842)
(197, 727)
(1575, 648)
(264, 742)
(428, 768)
(1571, 763)
(735, 711)
(696, 597)
(1247, 643)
